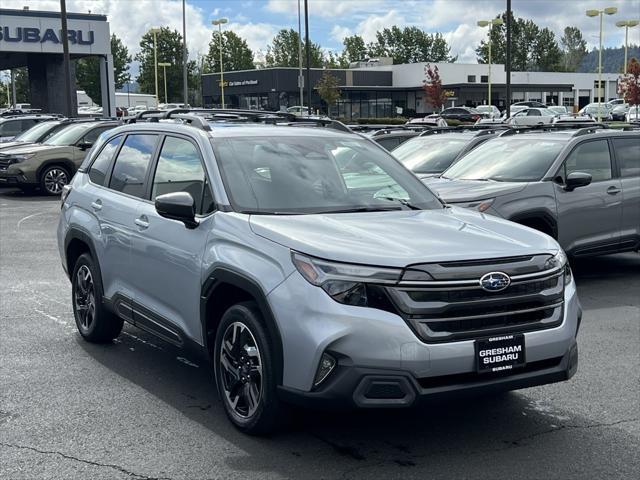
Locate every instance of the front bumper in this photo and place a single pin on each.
(370, 343)
(351, 387)
(13, 178)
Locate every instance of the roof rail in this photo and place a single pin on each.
(481, 129)
(587, 130)
(194, 121)
(515, 130)
(632, 127)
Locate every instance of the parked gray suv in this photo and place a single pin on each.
(580, 186)
(309, 266)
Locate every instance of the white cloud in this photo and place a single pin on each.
(338, 33)
(463, 42)
(373, 23)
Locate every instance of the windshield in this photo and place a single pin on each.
(306, 174)
(69, 135)
(36, 132)
(484, 108)
(507, 160)
(429, 154)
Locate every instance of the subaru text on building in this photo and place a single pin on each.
(309, 266)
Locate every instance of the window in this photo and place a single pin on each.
(27, 124)
(533, 113)
(484, 79)
(180, 170)
(389, 143)
(628, 156)
(10, 129)
(100, 165)
(590, 157)
(471, 79)
(93, 135)
(132, 164)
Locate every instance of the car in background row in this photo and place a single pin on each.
(12, 126)
(619, 112)
(433, 151)
(51, 165)
(39, 133)
(532, 116)
(633, 115)
(580, 186)
(558, 110)
(596, 110)
(461, 114)
(489, 111)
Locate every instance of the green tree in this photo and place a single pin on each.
(283, 51)
(328, 89)
(88, 70)
(335, 60)
(169, 49)
(23, 92)
(236, 54)
(574, 49)
(532, 48)
(411, 45)
(354, 49)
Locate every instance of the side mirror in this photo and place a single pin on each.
(84, 145)
(577, 179)
(177, 206)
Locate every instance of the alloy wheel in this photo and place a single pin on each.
(241, 370)
(85, 300)
(55, 179)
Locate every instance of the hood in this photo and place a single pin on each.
(401, 238)
(35, 148)
(452, 190)
(13, 144)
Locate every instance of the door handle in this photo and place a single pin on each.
(613, 190)
(97, 205)
(142, 222)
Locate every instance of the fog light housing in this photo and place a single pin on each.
(327, 364)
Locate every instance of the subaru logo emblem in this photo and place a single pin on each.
(495, 281)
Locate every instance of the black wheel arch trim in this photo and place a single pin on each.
(78, 233)
(543, 215)
(224, 275)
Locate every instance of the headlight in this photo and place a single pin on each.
(560, 261)
(345, 283)
(22, 158)
(479, 205)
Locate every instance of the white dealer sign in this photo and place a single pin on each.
(42, 34)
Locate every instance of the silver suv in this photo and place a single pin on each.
(580, 186)
(309, 266)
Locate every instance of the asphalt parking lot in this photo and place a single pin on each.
(140, 409)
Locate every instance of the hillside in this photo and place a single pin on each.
(612, 59)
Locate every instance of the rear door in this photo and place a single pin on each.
(167, 255)
(627, 152)
(590, 217)
(116, 207)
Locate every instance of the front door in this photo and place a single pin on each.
(590, 217)
(167, 255)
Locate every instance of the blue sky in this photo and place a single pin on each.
(330, 20)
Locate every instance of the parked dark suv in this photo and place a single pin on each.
(51, 165)
(462, 114)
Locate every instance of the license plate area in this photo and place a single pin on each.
(501, 353)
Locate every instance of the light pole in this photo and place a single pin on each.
(164, 66)
(627, 24)
(155, 32)
(219, 22)
(490, 24)
(595, 13)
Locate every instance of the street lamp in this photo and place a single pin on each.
(155, 31)
(490, 24)
(219, 22)
(595, 13)
(164, 66)
(627, 24)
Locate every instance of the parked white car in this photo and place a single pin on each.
(559, 109)
(297, 110)
(489, 111)
(532, 116)
(596, 110)
(633, 115)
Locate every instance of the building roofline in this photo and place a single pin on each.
(9, 12)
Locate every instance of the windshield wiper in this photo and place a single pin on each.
(401, 201)
(360, 209)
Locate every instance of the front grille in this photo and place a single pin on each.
(453, 307)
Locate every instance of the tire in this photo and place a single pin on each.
(244, 369)
(95, 323)
(53, 178)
